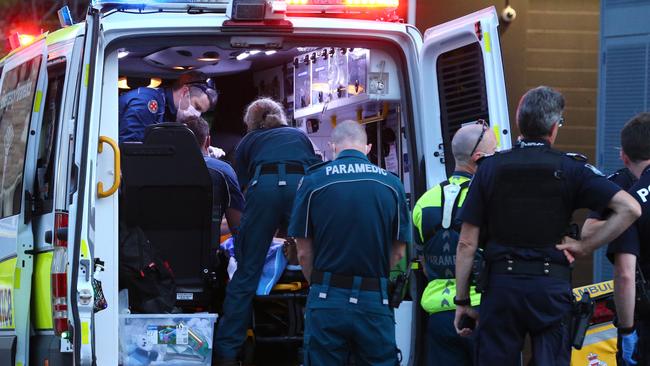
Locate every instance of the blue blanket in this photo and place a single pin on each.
(274, 265)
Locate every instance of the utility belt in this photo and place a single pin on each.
(531, 268)
(279, 169)
(353, 283)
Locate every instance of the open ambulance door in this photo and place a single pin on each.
(462, 81)
(21, 96)
(81, 240)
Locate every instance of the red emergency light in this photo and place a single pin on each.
(340, 6)
(17, 40)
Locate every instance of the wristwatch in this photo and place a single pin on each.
(463, 302)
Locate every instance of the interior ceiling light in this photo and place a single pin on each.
(155, 82)
(122, 53)
(122, 83)
(270, 52)
(178, 68)
(254, 52)
(243, 55)
(209, 57)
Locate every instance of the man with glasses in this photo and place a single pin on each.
(435, 218)
(522, 201)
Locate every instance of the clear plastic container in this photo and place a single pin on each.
(166, 339)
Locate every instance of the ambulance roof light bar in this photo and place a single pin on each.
(161, 4)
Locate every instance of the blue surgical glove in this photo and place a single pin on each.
(628, 346)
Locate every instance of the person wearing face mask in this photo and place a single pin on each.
(190, 96)
(269, 161)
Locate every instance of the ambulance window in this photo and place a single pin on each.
(16, 104)
(44, 182)
(463, 96)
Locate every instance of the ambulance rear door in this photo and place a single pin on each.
(462, 81)
(21, 97)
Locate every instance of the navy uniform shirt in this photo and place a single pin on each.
(585, 184)
(622, 178)
(142, 107)
(272, 145)
(226, 192)
(353, 211)
(636, 238)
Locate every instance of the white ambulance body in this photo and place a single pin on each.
(420, 88)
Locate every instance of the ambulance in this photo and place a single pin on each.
(65, 179)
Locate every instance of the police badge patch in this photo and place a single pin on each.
(153, 106)
(594, 169)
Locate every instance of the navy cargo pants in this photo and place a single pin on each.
(269, 200)
(443, 345)
(516, 305)
(343, 323)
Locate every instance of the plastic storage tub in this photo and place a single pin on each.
(166, 339)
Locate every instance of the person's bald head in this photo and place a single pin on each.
(465, 140)
(349, 135)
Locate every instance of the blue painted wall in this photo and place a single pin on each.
(624, 85)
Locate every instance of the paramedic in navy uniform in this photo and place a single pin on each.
(351, 222)
(190, 96)
(269, 161)
(524, 198)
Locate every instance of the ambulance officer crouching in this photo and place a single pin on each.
(524, 199)
(269, 162)
(190, 96)
(351, 223)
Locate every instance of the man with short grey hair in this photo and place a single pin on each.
(524, 199)
(351, 222)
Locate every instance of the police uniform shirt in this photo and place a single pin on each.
(142, 107)
(226, 192)
(272, 145)
(622, 178)
(584, 184)
(353, 211)
(636, 238)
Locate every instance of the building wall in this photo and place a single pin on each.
(551, 42)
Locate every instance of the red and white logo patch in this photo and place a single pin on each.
(153, 106)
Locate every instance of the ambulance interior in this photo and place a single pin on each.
(319, 84)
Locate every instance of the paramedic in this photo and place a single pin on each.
(191, 95)
(227, 198)
(351, 222)
(434, 218)
(632, 247)
(524, 199)
(269, 162)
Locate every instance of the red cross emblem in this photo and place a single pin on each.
(153, 106)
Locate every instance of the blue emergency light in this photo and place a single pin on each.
(154, 3)
(65, 17)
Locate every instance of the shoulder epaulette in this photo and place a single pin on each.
(316, 166)
(576, 156)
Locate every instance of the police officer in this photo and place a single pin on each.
(434, 217)
(227, 198)
(190, 96)
(524, 199)
(632, 247)
(269, 162)
(351, 222)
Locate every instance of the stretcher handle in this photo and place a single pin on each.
(117, 170)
